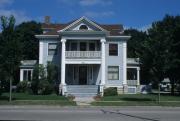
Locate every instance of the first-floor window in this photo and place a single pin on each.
(27, 75)
(52, 48)
(131, 74)
(113, 72)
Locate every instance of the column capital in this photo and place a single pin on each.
(103, 40)
(63, 40)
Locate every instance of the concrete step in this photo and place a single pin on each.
(82, 90)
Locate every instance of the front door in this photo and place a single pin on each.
(82, 75)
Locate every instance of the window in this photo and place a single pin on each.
(131, 74)
(52, 48)
(113, 72)
(82, 46)
(73, 46)
(27, 75)
(113, 49)
(83, 27)
(91, 46)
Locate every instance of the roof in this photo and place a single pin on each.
(114, 29)
(28, 63)
(133, 61)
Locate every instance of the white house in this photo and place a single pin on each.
(90, 57)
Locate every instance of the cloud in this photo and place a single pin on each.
(145, 28)
(86, 2)
(4, 3)
(94, 2)
(19, 15)
(99, 14)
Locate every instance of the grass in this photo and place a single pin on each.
(138, 100)
(27, 99)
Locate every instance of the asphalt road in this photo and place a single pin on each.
(52, 113)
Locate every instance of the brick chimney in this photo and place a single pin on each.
(47, 19)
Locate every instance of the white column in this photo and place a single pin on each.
(124, 63)
(103, 71)
(138, 76)
(63, 65)
(40, 52)
(21, 75)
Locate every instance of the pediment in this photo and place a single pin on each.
(83, 24)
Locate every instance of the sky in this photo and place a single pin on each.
(137, 14)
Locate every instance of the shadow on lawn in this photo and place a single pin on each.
(5, 98)
(137, 99)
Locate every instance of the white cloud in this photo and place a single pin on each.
(4, 3)
(145, 28)
(86, 2)
(19, 15)
(99, 14)
(94, 2)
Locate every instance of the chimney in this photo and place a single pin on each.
(47, 19)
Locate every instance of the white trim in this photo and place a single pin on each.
(46, 36)
(117, 48)
(121, 37)
(63, 65)
(103, 64)
(83, 61)
(124, 63)
(41, 47)
(22, 74)
(82, 38)
(80, 19)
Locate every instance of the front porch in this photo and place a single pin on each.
(83, 74)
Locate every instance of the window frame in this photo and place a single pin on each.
(111, 72)
(117, 51)
(55, 53)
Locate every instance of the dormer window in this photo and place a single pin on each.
(83, 27)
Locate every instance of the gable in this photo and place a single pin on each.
(76, 26)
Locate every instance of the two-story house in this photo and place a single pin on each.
(90, 57)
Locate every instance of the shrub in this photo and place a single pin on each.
(111, 91)
(44, 87)
(23, 86)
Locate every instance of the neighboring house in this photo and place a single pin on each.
(90, 57)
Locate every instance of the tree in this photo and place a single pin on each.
(10, 50)
(26, 32)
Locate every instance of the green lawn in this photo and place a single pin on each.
(27, 99)
(138, 100)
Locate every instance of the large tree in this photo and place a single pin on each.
(26, 34)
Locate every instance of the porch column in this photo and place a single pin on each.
(21, 75)
(138, 76)
(125, 66)
(103, 71)
(63, 65)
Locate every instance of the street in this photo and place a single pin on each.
(55, 113)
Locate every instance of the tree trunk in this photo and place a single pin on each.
(159, 94)
(172, 87)
(10, 90)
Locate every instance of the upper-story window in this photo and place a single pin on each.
(52, 48)
(113, 49)
(83, 27)
(74, 46)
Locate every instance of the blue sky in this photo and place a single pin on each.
(131, 13)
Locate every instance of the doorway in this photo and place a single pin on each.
(82, 75)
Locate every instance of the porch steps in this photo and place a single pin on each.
(82, 90)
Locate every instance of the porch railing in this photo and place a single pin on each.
(132, 82)
(83, 54)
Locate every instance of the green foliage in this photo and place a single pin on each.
(44, 87)
(111, 91)
(23, 86)
(52, 73)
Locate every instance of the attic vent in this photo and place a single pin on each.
(83, 27)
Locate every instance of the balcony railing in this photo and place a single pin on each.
(132, 82)
(83, 54)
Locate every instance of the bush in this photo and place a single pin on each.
(111, 91)
(23, 86)
(44, 87)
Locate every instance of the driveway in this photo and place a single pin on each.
(54, 113)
